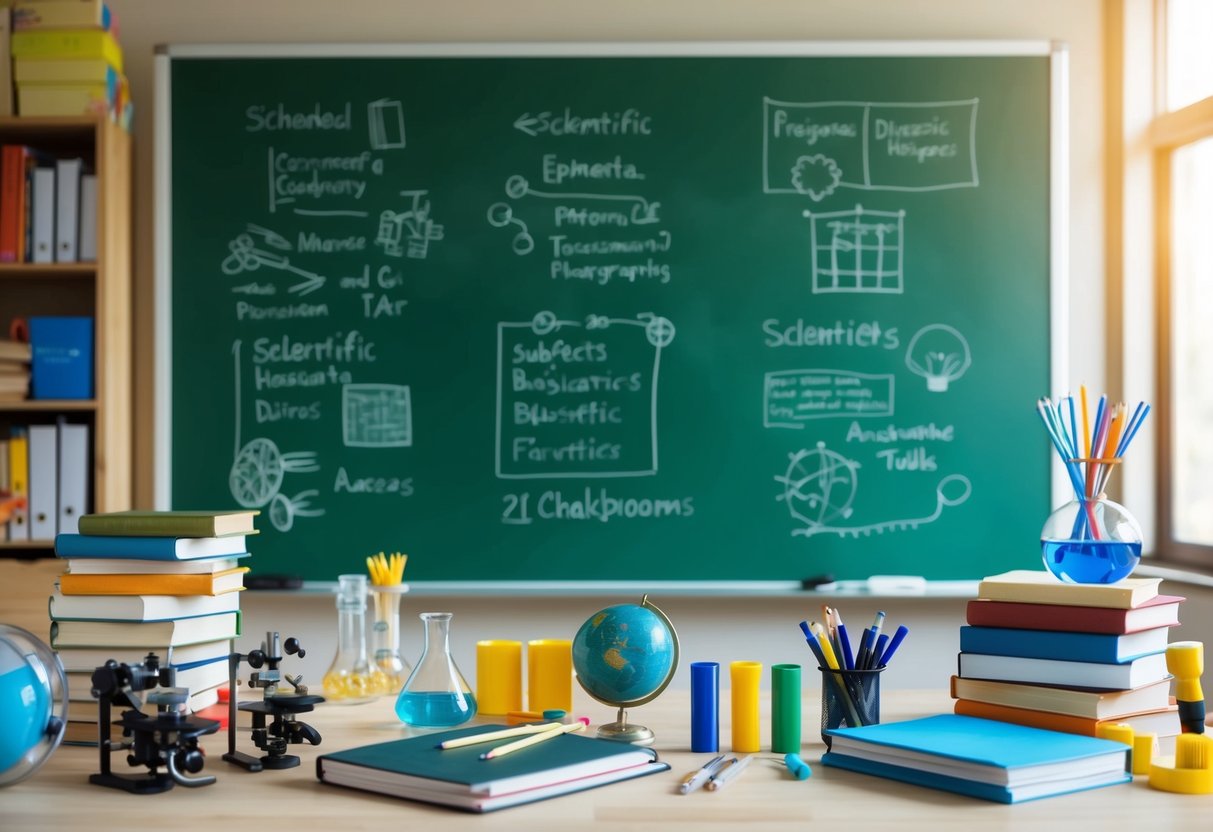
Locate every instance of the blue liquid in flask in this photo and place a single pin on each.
(1091, 561)
(435, 709)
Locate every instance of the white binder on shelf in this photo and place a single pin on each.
(88, 218)
(67, 209)
(73, 476)
(43, 481)
(43, 210)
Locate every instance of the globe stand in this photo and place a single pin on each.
(621, 731)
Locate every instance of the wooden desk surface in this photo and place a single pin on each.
(59, 797)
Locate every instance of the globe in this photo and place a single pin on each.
(33, 700)
(625, 656)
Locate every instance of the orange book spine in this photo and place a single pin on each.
(169, 584)
(1034, 719)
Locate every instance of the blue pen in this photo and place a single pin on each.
(877, 622)
(813, 645)
(894, 643)
(878, 651)
(845, 642)
(865, 645)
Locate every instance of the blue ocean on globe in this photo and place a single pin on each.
(623, 653)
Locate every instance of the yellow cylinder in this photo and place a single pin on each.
(498, 676)
(744, 677)
(549, 674)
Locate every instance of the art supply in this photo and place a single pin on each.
(499, 676)
(549, 668)
(493, 736)
(869, 659)
(1145, 749)
(514, 717)
(705, 706)
(386, 590)
(729, 773)
(352, 678)
(1186, 662)
(894, 643)
(1192, 770)
(534, 739)
(696, 779)
(785, 708)
(845, 698)
(1091, 540)
(744, 678)
(852, 699)
(436, 694)
(796, 766)
(844, 642)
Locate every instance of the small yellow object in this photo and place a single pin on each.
(1145, 747)
(339, 685)
(1192, 772)
(385, 571)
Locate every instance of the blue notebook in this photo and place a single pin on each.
(1063, 646)
(996, 761)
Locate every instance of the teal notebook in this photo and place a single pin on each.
(416, 769)
(980, 757)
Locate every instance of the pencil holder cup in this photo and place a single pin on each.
(849, 698)
(1091, 541)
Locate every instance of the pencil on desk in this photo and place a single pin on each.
(504, 733)
(534, 739)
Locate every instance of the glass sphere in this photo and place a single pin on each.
(1091, 542)
(33, 701)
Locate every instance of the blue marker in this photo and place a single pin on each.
(894, 643)
(878, 651)
(845, 642)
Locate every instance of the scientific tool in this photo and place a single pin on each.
(436, 694)
(352, 678)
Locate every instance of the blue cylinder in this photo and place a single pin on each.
(705, 706)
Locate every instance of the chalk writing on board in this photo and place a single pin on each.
(858, 251)
(290, 178)
(376, 416)
(820, 487)
(792, 397)
(409, 233)
(940, 354)
(592, 504)
(385, 124)
(245, 255)
(579, 398)
(814, 148)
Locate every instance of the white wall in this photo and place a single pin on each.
(716, 629)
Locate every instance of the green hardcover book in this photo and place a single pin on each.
(416, 769)
(170, 523)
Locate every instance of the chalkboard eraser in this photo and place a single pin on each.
(906, 584)
(273, 582)
(818, 582)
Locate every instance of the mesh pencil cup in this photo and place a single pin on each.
(849, 698)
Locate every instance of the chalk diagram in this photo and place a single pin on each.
(857, 251)
(376, 416)
(940, 354)
(409, 233)
(259, 468)
(385, 124)
(246, 256)
(817, 176)
(501, 214)
(820, 485)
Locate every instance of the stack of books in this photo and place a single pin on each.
(148, 582)
(14, 370)
(1068, 657)
(67, 60)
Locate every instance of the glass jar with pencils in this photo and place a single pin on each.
(1091, 539)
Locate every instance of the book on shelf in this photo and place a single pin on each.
(43, 215)
(170, 523)
(6, 66)
(90, 658)
(18, 483)
(67, 192)
(139, 607)
(1079, 702)
(215, 583)
(31, 71)
(87, 245)
(17, 351)
(63, 354)
(1061, 645)
(1159, 611)
(415, 769)
(198, 678)
(67, 43)
(1099, 675)
(146, 548)
(130, 566)
(982, 758)
(78, 99)
(63, 14)
(118, 634)
(1163, 722)
(1040, 587)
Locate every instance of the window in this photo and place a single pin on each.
(1182, 139)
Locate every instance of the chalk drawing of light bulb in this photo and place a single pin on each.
(939, 354)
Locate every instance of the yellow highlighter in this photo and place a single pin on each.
(1186, 661)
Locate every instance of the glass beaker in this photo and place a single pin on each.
(351, 678)
(436, 694)
(385, 635)
(1091, 541)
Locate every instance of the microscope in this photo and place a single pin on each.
(280, 704)
(169, 739)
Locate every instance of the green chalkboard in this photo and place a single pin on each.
(611, 317)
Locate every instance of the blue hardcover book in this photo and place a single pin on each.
(997, 761)
(147, 548)
(62, 364)
(1063, 646)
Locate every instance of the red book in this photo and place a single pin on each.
(12, 184)
(1159, 611)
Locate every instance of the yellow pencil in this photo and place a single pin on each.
(534, 739)
(1086, 423)
(504, 733)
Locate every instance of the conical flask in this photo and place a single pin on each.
(352, 678)
(436, 695)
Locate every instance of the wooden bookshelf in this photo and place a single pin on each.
(101, 290)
